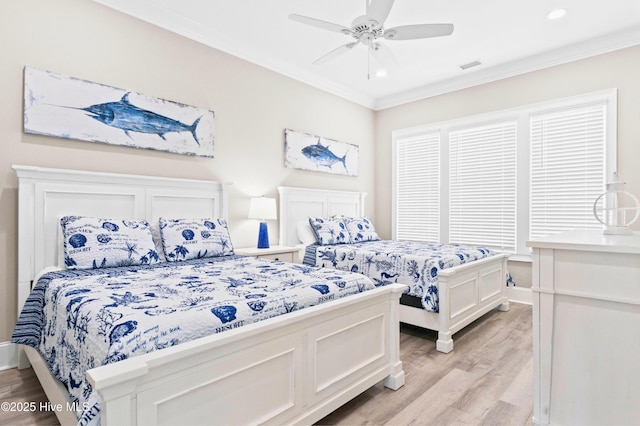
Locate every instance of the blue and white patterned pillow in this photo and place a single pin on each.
(91, 242)
(184, 239)
(330, 231)
(361, 229)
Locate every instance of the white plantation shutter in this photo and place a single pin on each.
(417, 188)
(482, 185)
(567, 168)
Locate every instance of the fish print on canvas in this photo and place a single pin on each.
(323, 156)
(311, 152)
(71, 108)
(130, 118)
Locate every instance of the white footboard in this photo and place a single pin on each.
(465, 292)
(296, 368)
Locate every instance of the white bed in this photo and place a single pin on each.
(284, 369)
(466, 292)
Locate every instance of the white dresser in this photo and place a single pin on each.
(586, 329)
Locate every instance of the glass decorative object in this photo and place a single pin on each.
(616, 209)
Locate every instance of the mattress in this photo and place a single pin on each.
(413, 263)
(81, 319)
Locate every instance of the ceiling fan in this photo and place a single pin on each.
(369, 28)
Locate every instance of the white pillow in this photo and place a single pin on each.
(184, 239)
(305, 233)
(91, 242)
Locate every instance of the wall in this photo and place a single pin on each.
(619, 69)
(252, 107)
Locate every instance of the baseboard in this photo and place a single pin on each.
(8, 355)
(520, 295)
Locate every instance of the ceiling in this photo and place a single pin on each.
(508, 37)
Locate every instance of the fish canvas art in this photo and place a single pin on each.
(71, 108)
(311, 152)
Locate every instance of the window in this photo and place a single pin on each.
(567, 168)
(503, 178)
(482, 185)
(417, 188)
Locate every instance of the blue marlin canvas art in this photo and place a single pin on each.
(311, 152)
(67, 107)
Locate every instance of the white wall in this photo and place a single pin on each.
(252, 108)
(619, 69)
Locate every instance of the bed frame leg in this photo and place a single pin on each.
(444, 342)
(395, 380)
(504, 307)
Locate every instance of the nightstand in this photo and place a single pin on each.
(283, 253)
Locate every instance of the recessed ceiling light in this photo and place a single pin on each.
(556, 14)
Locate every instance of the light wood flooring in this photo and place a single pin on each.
(486, 380)
(22, 386)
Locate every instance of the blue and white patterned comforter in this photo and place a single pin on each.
(82, 319)
(413, 263)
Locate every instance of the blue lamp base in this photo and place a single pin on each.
(263, 236)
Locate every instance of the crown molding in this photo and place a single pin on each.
(597, 46)
(150, 12)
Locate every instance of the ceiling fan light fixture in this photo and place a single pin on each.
(381, 73)
(556, 14)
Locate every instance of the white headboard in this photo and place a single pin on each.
(46, 194)
(298, 204)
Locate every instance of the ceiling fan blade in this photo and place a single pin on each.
(384, 55)
(378, 10)
(335, 53)
(320, 23)
(412, 32)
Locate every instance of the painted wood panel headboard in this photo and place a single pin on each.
(47, 194)
(298, 204)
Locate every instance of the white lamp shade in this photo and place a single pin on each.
(262, 208)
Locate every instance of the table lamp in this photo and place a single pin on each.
(263, 209)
